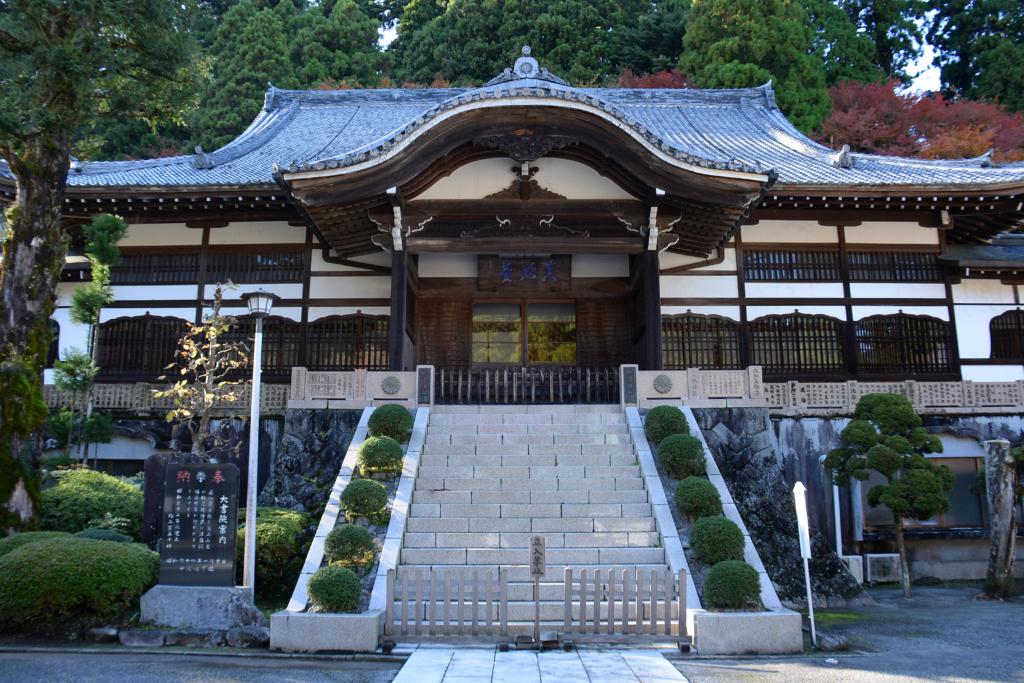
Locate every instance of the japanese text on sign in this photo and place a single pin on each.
(537, 559)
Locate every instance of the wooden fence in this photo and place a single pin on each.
(512, 385)
(453, 606)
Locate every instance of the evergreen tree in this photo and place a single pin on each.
(654, 42)
(895, 28)
(337, 40)
(745, 43)
(846, 53)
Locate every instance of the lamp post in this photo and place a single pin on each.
(259, 303)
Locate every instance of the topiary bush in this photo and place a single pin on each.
(364, 497)
(682, 455)
(380, 454)
(697, 497)
(68, 581)
(391, 420)
(732, 583)
(104, 535)
(664, 421)
(12, 543)
(716, 539)
(349, 544)
(335, 589)
(86, 496)
(280, 549)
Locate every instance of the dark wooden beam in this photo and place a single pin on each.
(652, 303)
(396, 330)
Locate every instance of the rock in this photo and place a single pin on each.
(101, 635)
(249, 637)
(195, 638)
(194, 607)
(833, 643)
(140, 638)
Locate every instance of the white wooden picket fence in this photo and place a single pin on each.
(454, 606)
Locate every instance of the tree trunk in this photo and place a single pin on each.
(1000, 486)
(904, 565)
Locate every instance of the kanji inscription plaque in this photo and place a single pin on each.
(518, 275)
(200, 525)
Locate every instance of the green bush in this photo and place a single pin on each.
(682, 456)
(104, 535)
(12, 543)
(86, 496)
(349, 544)
(380, 454)
(697, 497)
(664, 421)
(716, 539)
(67, 581)
(732, 584)
(335, 589)
(364, 497)
(280, 540)
(391, 420)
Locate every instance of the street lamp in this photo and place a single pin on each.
(259, 303)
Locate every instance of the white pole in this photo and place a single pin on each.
(249, 571)
(838, 517)
(800, 498)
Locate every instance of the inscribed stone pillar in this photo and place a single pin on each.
(1000, 483)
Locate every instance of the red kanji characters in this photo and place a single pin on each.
(217, 477)
(183, 475)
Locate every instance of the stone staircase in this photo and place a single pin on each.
(492, 476)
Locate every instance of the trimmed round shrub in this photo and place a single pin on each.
(349, 544)
(380, 454)
(335, 589)
(280, 549)
(664, 421)
(68, 581)
(391, 420)
(12, 543)
(85, 496)
(104, 535)
(732, 584)
(682, 456)
(364, 497)
(697, 497)
(716, 539)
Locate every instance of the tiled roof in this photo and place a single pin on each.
(729, 129)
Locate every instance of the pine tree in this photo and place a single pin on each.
(338, 45)
(745, 43)
(653, 42)
(846, 54)
(895, 28)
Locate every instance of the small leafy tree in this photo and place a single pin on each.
(74, 375)
(205, 360)
(101, 237)
(886, 437)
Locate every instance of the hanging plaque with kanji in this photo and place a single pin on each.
(200, 525)
(524, 275)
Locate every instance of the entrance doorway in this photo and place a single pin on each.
(545, 329)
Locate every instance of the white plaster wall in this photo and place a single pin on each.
(574, 180)
(790, 231)
(108, 314)
(448, 265)
(318, 312)
(992, 373)
(897, 290)
(731, 312)
(891, 233)
(671, 260)
(154, 292)
(71, 335)
(123, 448)
(982, 292)
(161, 234)
(348, 288)
(972, 328)
(754, 312)
(317, 262)
(959, 447)
(803, 290)
(687, 286)
(473, 181)
(64, 292)
(285, 290)
(270, 232)
(940, 312)
(600, 265)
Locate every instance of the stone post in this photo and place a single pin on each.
(1000, 486)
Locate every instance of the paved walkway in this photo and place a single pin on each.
(487, 665)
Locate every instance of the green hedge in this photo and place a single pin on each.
(104, 535)
(12, 543)
(349, 544)
(391, 420)
(380, 454)
(280, 549)
(335, 589)
(86, 496)
(732, 584)
(682, 455)
(697, 497)
(364, 497)
(664, 421)
(61, 582)
(716, 539)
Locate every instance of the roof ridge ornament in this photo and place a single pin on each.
(201, 160)
(526, 67)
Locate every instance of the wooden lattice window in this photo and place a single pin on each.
(901, 344)
(899, 266)
(348, 342)
(155, 269)
(286, 265)
(797, 344)
(282, 343)
(1007, 333)
(769, 264)
(700, 341)
(142, 346)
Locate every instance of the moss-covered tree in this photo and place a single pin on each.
(886, 437)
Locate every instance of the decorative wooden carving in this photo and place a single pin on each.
(526, 226)
(526, 147)
(514, 191)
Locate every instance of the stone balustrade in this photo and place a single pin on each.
(138, 398)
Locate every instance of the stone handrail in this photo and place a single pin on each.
(936, 398)
(139, 398)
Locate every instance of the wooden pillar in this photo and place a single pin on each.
(652, 304)
(396, 328)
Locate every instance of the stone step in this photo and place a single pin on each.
(521, 419)
(528, 449)
(521, 573)
(527, 460)
(514, 510)
(460, 429)
(601, 439)
(621, 539)
(446, 483)
(549, 473)
(545, 525)
(528, 497)
(528, 409)
(492, 556)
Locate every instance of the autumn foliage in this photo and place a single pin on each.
(882, 118)
(663, 79)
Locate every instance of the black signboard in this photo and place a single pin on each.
(200, 525)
